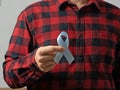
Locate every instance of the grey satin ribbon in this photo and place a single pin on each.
(64, 43)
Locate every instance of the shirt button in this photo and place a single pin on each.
(79, 59)
(81, 36)
(80, 13)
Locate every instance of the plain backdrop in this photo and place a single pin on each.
(9, 11)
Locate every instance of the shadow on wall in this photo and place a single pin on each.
(0, 2)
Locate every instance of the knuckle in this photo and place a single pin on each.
(39, 58)
(41, 50)
(41, 67)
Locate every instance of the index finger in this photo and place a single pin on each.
(51, 49)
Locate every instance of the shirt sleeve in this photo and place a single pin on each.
(19, 67)
(116, 70)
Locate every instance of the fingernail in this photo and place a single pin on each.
(62, 49)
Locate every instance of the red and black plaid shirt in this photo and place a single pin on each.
(94, 34)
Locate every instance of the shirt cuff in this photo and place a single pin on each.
(37, 72)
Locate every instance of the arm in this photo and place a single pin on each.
(116, 70)
(23, 64)
(20, 68)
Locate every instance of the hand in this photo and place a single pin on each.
(44, 57)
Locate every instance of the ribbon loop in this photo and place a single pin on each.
(63, 41)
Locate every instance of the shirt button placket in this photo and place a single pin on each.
(80, 45)
(79, 75)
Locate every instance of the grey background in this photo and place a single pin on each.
(9, 11)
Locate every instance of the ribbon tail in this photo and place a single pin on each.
(58, 57)
(69, 56)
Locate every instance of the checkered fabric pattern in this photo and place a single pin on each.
(94, 35)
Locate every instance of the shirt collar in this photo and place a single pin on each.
(63, 3)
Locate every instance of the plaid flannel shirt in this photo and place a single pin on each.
(94, 35)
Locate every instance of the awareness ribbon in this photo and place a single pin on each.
(63, 41)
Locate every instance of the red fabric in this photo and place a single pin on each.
(94, 33)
